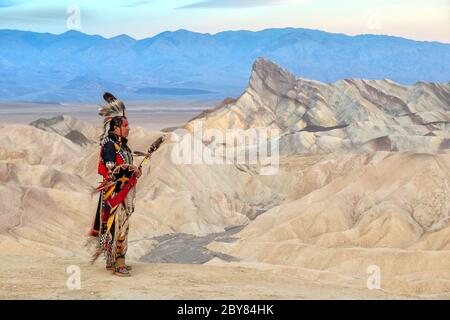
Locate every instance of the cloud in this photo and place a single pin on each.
(137, 4)
(237, 3)
(10, 3)
(37, 15)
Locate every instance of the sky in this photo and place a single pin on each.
(414, 19)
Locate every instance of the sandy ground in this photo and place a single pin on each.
(24, 277)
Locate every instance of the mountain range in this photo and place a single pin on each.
(74, 66)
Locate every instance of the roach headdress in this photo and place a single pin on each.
(113, 108)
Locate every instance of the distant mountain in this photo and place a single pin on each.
(74, 66)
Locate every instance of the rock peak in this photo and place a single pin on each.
(271, 74)
(262, 64)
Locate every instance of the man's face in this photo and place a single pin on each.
(124, 130)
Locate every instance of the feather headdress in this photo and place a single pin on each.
(113, 108)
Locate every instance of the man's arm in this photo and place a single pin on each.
(109, 156)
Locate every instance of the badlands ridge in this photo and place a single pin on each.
(363, 180)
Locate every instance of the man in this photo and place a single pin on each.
(117, 191)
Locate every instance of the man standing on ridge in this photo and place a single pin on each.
(117, 191)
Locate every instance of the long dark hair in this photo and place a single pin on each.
(109, 126)
(116, 122)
